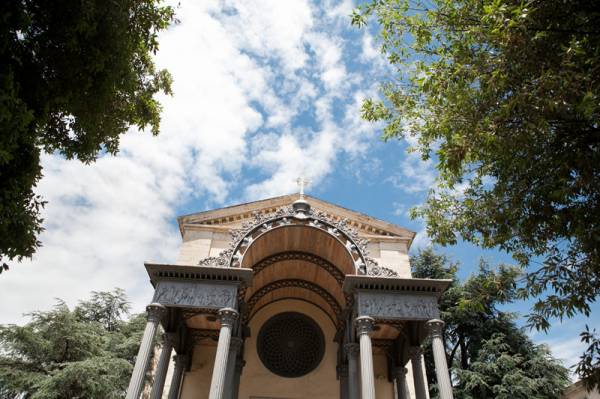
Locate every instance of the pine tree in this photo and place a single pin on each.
(87, 352)
(489, 356)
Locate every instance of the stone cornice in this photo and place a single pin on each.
(225, 229)
(158, 272)
(365, 223)
(394, 284)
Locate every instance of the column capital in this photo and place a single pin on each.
(364, 324)
(415, 351)
(399, 372)
(435, 327)
(352, 350)
(155, 312)
(228, 316)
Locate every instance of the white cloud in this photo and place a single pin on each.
(272, 28)
(567, 350)
(414, 175)
(370, 53)
(329, 55)
(421, 240)
(399, 209)
(242, 74)
(339, 11)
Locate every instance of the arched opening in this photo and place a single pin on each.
(299, 265)
(298, 261)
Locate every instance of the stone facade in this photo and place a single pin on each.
(346, 272)
(578, 391)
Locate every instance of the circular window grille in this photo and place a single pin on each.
(290, 344)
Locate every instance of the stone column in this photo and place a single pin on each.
(161, 368)
(342, 372)
(239, 366)
(180, 365)
(228, 316)
(364, 325)
(353, 351)
(439, 357)
(399, 374)
(416, 359)
(155, 313)
(234, 347)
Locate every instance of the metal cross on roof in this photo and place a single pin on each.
(302, 183)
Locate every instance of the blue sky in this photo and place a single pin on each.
(264, 92)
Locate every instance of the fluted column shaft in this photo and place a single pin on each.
(161, 368)
(416, 359)
(234, 347)
(353, 352)
(155, 313)
(439, 357)
(364, 325)
(180, 364)
(402, 391)
(228, 317)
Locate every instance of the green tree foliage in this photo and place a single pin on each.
(488, 355)
(504, 97)
(74, 76)
(507, 369)
(65, 353)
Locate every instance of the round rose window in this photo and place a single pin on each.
(290, 344)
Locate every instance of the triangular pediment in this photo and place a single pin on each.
(234, 216)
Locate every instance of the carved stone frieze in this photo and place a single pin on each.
(195, 294)
(392, 306)
(373, 269)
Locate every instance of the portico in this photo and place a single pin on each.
(292, 305)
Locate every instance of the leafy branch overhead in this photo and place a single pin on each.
(504, 97)
(75, 76)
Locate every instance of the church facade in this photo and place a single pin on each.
(291, 297)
